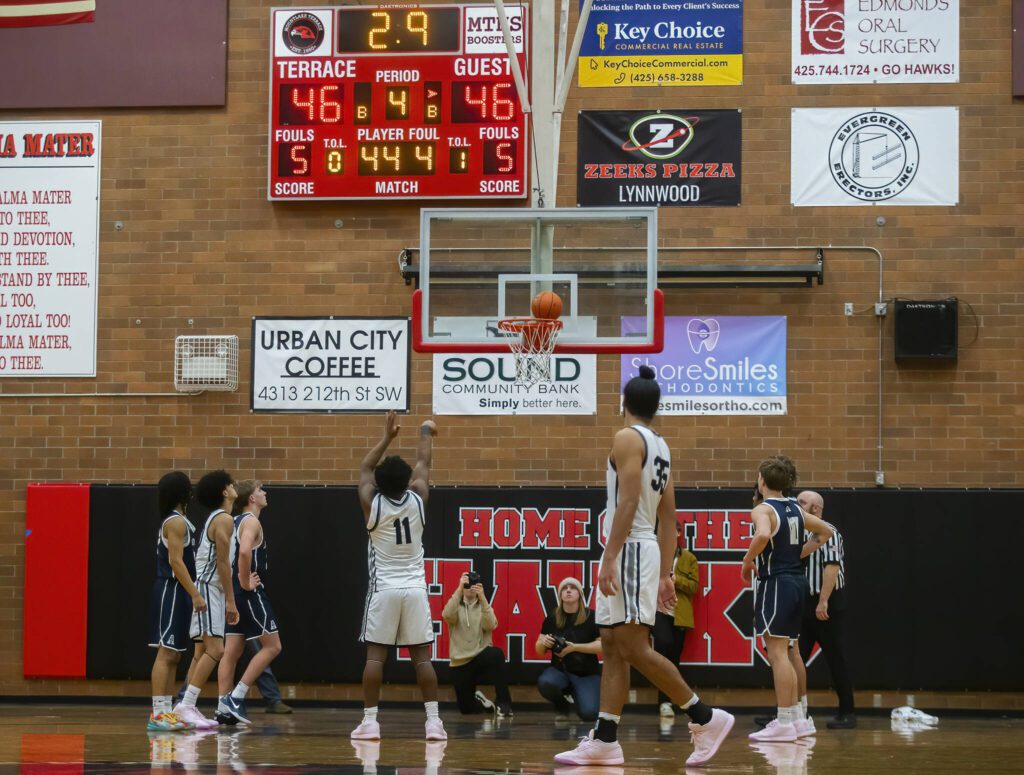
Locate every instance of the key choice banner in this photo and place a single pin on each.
(666, 158)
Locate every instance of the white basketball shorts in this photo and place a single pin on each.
(210, 621)
(397, 617)
(637, 599)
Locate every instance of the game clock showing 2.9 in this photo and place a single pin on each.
(413, 103)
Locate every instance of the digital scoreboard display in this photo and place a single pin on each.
(396, 102)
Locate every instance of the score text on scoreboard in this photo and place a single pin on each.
(389, 102)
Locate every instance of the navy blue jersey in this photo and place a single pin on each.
(782, 554)
(258, 559)
(163, 562)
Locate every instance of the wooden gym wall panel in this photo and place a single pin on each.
(136, 53)
(56, 572)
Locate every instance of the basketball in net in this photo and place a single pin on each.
(532, 340)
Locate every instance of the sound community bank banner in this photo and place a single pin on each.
(663, 43)
(668, 158)
(884, 156)
(330, 364)
(876, 41)
(717, 365)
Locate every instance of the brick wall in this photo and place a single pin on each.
(202, 244)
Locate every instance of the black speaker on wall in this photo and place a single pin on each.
(926, 330)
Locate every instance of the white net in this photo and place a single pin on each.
(532, 341)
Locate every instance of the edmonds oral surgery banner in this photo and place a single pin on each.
(663, 43)
(717, 365)
(886, 156)
(668, 158)
(876, 41)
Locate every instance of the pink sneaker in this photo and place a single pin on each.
(367, 730)
(707, 738)
(190, 715)
(435, 729)
(775, 733)
(805, 727)
(591, 751)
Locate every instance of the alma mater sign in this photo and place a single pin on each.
(370, 102)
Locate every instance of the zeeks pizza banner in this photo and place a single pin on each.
(666, 158)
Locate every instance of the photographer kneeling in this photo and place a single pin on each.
(474, 659)
(570, 634)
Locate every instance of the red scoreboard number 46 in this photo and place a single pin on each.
(396, 103)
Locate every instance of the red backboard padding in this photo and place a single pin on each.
(56, 580)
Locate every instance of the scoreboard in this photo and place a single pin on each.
(396, 102)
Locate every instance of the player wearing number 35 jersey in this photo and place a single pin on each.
(393, 497)
(635, 576)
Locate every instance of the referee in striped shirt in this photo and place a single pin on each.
(825, 615)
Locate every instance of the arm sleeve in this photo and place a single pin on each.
(450, 613)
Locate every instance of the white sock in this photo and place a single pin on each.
(240, 691)
(431, 708)
(784, 715)
(158, 706)
(798, 712)
(803, 704)
(191, 696)
(370, 714)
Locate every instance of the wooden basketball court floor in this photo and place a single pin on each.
(88, 739)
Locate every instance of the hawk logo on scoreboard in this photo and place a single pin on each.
(303, 33)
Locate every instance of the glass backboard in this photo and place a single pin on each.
(479, 266)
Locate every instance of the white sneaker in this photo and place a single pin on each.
(591, 751)
(367, 730)
(190, 715)
(489, 706)
(906, 713)
(805, 727)
(775, 733)
(435, 729)
(707, 738)
(665, 710)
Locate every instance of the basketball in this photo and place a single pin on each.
(547, 305)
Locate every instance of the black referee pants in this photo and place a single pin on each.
(831, 636)
(487, 667)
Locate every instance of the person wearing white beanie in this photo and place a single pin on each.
(570, 634)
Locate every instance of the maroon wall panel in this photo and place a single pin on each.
(137, 53)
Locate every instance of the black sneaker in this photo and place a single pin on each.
(843, 721)
(763, 721)
(225, 719)
(505, 711)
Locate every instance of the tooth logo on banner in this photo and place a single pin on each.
(703, 334)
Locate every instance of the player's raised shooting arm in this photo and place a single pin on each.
(628, 454)
(367, 485)
(821, 534)
(420, 483)
(222, 528)
(175, 536)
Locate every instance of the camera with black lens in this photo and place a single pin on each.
(472, 578)
(559, 643)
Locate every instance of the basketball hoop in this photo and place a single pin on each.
(532, 341)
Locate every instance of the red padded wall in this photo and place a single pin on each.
(56, 580)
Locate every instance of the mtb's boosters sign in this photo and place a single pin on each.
(388, 102)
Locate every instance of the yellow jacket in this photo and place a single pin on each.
(687, 578)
